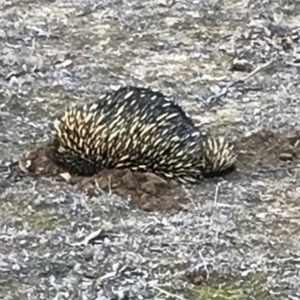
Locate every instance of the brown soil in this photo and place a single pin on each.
(151, 193)
(266, 149)
(146, 190)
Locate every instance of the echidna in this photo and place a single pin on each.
(139, 129)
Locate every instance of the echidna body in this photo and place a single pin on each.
(139, 129)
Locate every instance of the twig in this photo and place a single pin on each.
(190, 197)
(242, 80)
(98, 186)
(205, 263)
(167, 5)
(293, 64)
(109, 186)
(288, 168)
(259, 172)
(89, 11)
(216, 195)
(168, 294)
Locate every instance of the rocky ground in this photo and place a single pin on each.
(234, 66)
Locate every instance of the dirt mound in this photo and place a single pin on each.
(266, 149)
(152, 193)
(146, 190)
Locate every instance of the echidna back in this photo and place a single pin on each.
(148, 106)
(133, 128)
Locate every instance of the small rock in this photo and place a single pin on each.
(286, 156)
(241, 66)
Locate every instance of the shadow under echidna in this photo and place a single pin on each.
(138, 129)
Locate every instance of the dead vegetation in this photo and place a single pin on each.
(234, 66)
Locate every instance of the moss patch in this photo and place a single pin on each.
(22, 216)
(238, 288)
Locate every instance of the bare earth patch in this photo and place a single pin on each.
(146, 190)
(234, 66)
(152, 193)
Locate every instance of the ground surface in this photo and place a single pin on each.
(230, 238)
